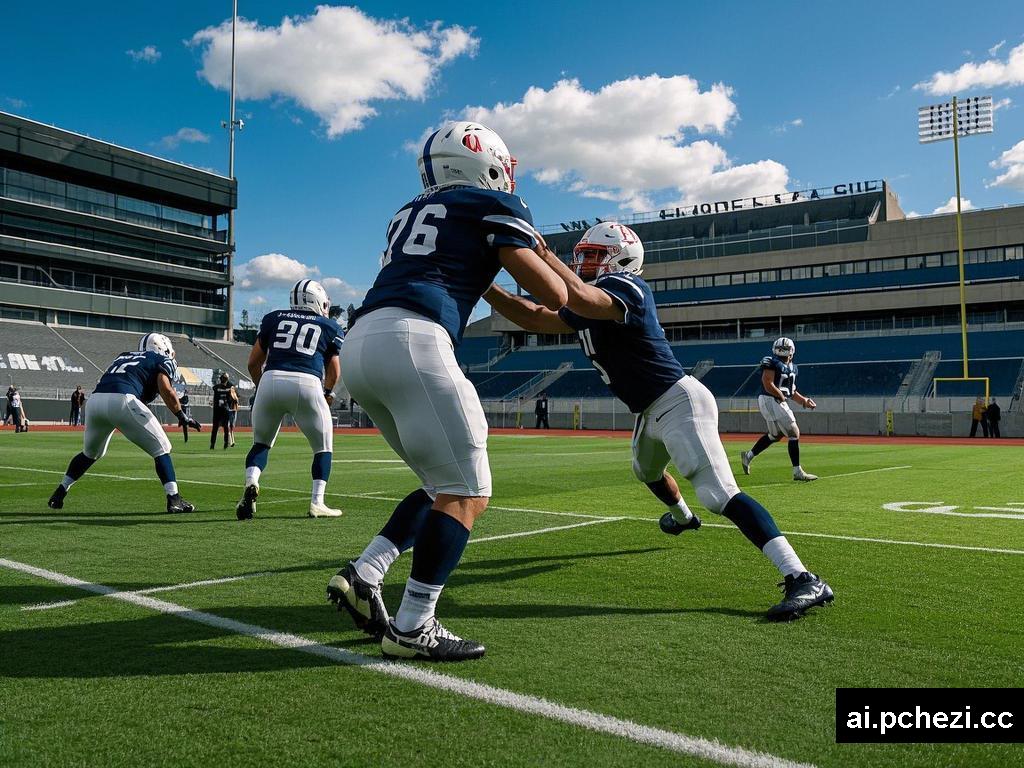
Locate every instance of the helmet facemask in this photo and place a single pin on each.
(590, 261)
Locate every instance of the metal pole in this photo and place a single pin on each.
(231, 174)
(960, 237)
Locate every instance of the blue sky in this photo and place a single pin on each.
(668, 102)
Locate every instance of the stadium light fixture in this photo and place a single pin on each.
(232, 124)
(951, 120)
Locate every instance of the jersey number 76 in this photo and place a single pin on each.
(421, 239)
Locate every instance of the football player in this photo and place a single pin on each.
(613, 311)
(119, 402)
(778, 386)
(294, 365)
(444, 248)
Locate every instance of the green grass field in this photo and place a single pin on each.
(607, 616)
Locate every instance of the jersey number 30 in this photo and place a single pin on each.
(421, 239)
(302, 339)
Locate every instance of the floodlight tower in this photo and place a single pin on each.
(232, 124)
(951, 120)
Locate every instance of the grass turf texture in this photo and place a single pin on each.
(615, 618)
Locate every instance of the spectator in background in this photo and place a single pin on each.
(8, 415)
(541, 411)
(77, 403)
(994, 414)
(978, 417)
(17, 412)
(232, 414)
(184, 400)
(221, 398)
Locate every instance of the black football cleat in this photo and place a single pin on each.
(361, 599)
(431, 642)
(673, 527)
(177, 505)
(246, 508)
(57, 499)
(802, 593)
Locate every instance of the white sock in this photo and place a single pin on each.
(170, 488)
(319, 486)
(797, 470)
(680, 511)
(252, 476)
(376, 559)
(781, 553)
(418, 605)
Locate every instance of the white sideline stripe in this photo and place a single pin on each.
(708, 749)
(519, 534)
(841, 474)
(834, 536)
(149, 591)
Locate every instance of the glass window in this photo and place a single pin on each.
(63, 277)
(738, 278)
(801, 273)
(949, 259)
(934, 260)
(860, 267)
(974, 257)
(891, 265)
(915, 262)
(875, 265)
(753, 277)
(722, 280)
(83, 282)
(785, 274)
(672, 285)
(817, 271)
(833, 270)
(769, 275)
(8, 271)
(687, 283)
(994, 255)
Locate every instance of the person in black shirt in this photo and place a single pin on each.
(221, 408)
(994, 413)
(77, 401)
(9, 412)
(541, 411)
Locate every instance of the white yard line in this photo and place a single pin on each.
(841, 474)
(708, 749)
(836, 537)
(519, 534)
(150, 590)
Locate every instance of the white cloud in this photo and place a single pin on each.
(995, 48)
(1012, 163)
(986, 74)
(1001, 103)
(340, 291)
(912, 214)
(798, 122)
(630, 140)
(336, 62)
(149, 54)
(896, 89)
(15, 103)
(950, 205)
(184, 136)
(275, 270)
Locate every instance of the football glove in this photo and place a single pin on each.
(188, 421)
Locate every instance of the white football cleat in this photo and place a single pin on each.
(322, 510)
(745, 459)
(804, 477)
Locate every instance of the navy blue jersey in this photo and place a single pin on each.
(299, 340)
(633, 357)
(137, 373)
(442, 253)
(785, 375)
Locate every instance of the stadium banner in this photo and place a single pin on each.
(24, 361)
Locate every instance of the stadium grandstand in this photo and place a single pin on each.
(870, 296)
(99, 244)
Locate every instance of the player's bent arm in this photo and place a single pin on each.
(585, 300)
(805, 401)
(526, 314)
(768, 382)
(530, 271)
(167, 393)
(257, 357)
(332, 372)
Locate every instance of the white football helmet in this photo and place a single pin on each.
(156, 342)
(607, 247)
(467, 153)
(784, 347)
(309, 294)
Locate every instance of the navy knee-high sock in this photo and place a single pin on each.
(439, 547)
(407, 519)
(763, 443)
(258, 456)
(753, 520)
(79, 466)
(794, 451)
